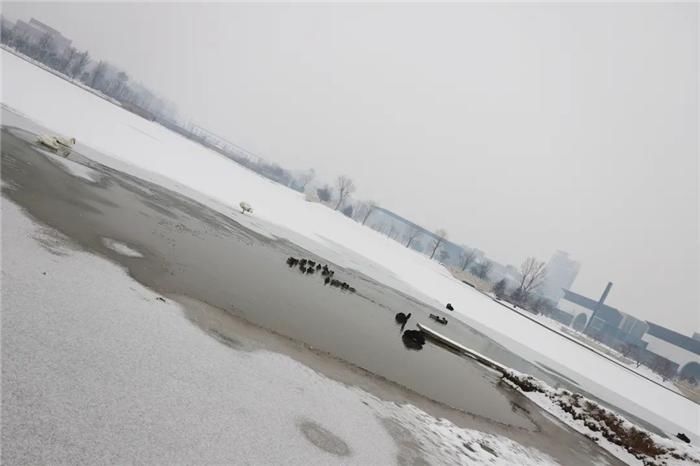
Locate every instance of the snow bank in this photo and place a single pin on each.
(97, 370)
(134, 144)
(610, 430)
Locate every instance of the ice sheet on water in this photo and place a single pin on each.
(120, 248)
(76, 169)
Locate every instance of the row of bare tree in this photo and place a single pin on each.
(101, 76)
(532, 271)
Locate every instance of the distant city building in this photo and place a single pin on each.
(603, 322)
(35, 31)
(658, 347)
(561, 273)
(680, 349)
(633, 327)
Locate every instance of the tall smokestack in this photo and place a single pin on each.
(599, 305)
(603, 296)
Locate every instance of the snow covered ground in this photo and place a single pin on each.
(159, 155)
(111, 375)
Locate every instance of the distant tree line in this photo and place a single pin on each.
(99, 75)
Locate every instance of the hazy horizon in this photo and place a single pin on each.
(520, 129)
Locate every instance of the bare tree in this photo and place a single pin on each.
(45, 45)
(72, 53)
(467, 257)
(325, 193)
(533, 274)
(637, 355)
(412, 234)
(663, 367)
(98, 73)
(631, 351)
(500, 288)
(482, 269)
(370, 207)
(347, 210)
(441, 235)
(80, 63)
(305, 178)
(345, 188)
(7, 35)
(121, 85)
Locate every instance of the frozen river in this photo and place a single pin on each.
(274, 368)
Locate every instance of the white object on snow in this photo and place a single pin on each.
(56, 142)
(246, 208)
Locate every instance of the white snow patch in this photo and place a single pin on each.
(152, 152)
(120, 248)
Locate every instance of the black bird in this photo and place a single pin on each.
(318, 266)
(402, 318)
(449, 307)
(302, 269)
(303, 262)
(310, 270)
(683, 437)
(413, 339)
(327, 281)
(312, 263)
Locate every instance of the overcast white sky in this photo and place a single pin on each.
(521, 129)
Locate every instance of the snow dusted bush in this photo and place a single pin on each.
(310, 194)
(601, 424)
